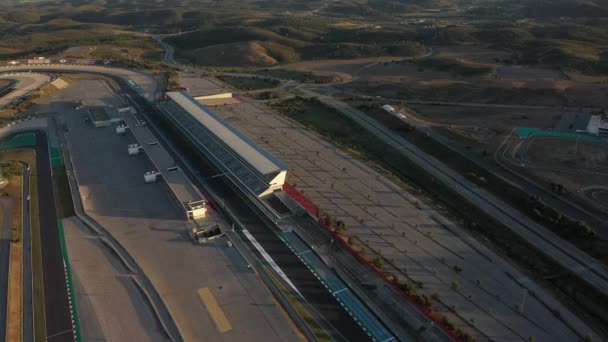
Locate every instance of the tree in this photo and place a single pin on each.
(329, 221)
(340, 226)
(378, 262)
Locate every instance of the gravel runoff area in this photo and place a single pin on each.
(477, 289)
(149, 83)
(26, 82)
(147, 221)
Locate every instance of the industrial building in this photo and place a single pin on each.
(598, 124)
(100, 117)
(237, 156)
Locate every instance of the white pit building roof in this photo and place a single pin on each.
(231, 150)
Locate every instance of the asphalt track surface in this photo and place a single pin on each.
(310, 287)
(307, 284)
(57, 311)
(5, 249)
(27, 324)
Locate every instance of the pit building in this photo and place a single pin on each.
(237, 156)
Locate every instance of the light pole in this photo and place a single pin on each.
(369, 185)
(523, 299)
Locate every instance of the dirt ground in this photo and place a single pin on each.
(384, 76)
(498, 119)
(106, 51)
(344, 69)
(567, 154)
(4, 83)
(518, 73)
(14, 191)
(471, 53)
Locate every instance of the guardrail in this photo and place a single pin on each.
(70, 285)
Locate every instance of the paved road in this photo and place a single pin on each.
(57, 311)
(492, 105)
(511, 176)
(168, 56)
(27, 324)
(5, 248)
(554, 247)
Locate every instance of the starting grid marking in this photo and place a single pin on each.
(334, 293)
(68, 282)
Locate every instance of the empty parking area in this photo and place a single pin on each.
(146, 220)
(474, 287)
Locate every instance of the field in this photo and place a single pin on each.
(249, 83)
(14, 190)
(455, 67)
(299, 76)
(15, 195)
(4, 83)
(580, 169)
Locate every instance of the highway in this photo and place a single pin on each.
(491, 105)
(564, 253)
(504, 168)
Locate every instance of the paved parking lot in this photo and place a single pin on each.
(478, 290)
(101, 285)
(146, 220)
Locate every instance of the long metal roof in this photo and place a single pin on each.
(224, 157)
(246, 148)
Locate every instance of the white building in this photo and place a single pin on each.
(388, 108)
(236, 155)
(597, 125)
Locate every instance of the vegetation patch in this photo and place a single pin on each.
(63, 195)
(264, 95)
(454, 66)
(295, 75)
(28, 156)
(14, 191)
(249, 83)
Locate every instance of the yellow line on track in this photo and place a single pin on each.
(216, 313)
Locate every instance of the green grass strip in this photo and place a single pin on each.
(20, 140)
(64, 252)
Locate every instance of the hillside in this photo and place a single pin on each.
(240, 53)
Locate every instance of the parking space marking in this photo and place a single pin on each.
(216, 313)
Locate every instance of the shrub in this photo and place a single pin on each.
(378, 262)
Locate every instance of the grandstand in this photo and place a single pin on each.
(231, 151)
